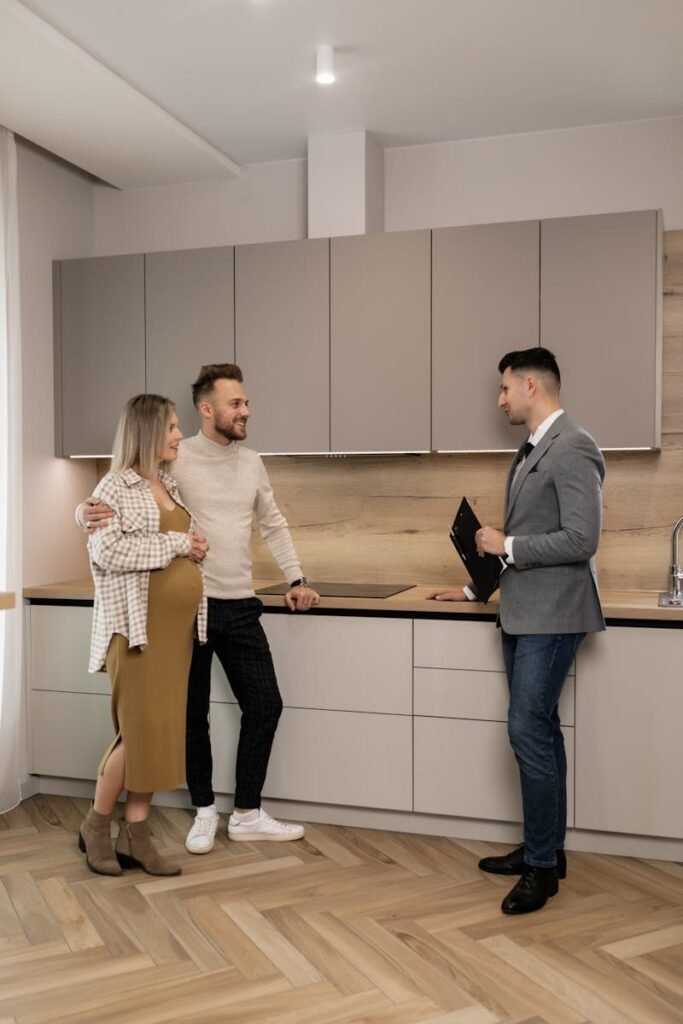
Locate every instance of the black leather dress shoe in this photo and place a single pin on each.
(532, 891)
(513, 863)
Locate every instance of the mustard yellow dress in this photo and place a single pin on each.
(149, 687)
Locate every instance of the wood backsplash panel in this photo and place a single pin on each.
(372, 519)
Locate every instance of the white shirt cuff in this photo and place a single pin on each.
(469, 594)
(508, 550)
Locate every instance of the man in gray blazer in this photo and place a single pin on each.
(549, 600)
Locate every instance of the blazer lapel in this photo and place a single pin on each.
(515, 482)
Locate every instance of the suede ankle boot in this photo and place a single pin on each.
(94, 840)
(135, 849)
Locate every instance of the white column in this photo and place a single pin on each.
(345, 185)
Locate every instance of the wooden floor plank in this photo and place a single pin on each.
(276, 947)
(496, 986)
(236, 947)
(66, 910)
(385, 976)
(90, 996)
(318, 951)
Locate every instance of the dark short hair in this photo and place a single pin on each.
(539, 360)
(209, 374)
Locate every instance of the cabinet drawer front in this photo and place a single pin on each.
(463, 693)
(332, 758)
(69, 733)
(470, 645)
(60, 649)
(467, 770)
(344, 664)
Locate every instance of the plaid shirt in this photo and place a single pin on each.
(122, 555)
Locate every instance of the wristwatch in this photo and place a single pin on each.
(303, 582)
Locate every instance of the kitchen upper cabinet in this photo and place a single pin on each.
(189, 321)
(600, 315)
(484, 304)
(380, 342)
(629, 757)
(99, 348)
(282, 302)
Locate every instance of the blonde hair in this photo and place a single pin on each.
(141, 434)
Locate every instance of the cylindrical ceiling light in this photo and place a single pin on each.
(324, 64)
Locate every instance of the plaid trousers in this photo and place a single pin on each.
(235, 633)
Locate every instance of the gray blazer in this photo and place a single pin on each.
(553, 509)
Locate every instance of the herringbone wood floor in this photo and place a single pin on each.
(348, 925)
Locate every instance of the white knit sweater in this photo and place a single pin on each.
(225, 487)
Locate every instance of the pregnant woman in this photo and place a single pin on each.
(149, 604)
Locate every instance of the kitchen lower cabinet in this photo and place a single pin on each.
(463, 763)
(327, 757)
(343, 664)
(466, 769)
(459, 673)
(629, 708)
(58, 639)
(69, 733)
(342, 758)
(336, 664)
(402, 715)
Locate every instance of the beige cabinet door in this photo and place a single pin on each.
(466, 769)
(69, 733)
(600, 302)
(380, 342)
(332, 757)
(629, 756)
(189, 314)
(484, 304)
(58, 648)
(99, 327)
(343, 664)
(282, 318)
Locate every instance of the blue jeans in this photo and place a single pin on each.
(537, 666)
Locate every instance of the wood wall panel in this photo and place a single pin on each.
(372, 519)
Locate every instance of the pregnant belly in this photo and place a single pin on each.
(176, 588)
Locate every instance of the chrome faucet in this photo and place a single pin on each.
(674, 598)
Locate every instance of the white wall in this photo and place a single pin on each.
(267, 203)
(56, 217)
(632, 166)
(603, 169)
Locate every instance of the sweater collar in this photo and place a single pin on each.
(212, 448)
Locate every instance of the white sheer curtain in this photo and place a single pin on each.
(11, 746)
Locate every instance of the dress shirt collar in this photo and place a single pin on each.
(544, 427)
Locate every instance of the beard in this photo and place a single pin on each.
(237, 432)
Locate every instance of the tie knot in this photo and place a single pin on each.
(527, 450)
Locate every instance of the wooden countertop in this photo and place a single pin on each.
(7, 599)
(627, 604)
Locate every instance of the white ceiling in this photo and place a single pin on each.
(239, 73)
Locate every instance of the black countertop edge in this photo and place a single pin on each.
(395, 613)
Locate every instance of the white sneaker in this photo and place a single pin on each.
(201, 836)
(263, 827)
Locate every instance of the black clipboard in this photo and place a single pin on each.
(484, 571)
